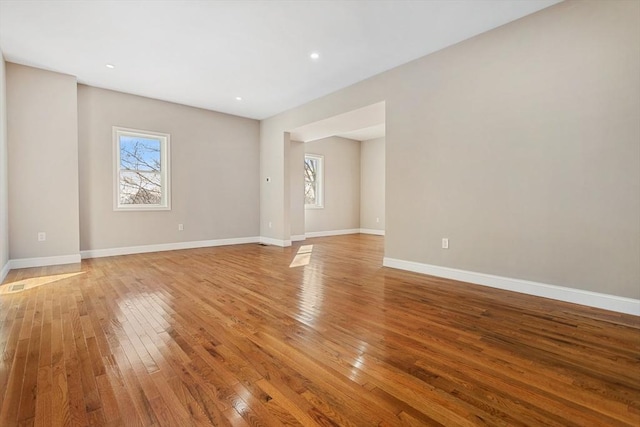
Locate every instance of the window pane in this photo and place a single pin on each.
(310, 181)
(139, 154)
(140, 188)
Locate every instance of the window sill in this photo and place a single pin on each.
(141, 208)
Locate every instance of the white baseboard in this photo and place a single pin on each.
(5, 271)
(297, 237)
(275, 242)
(575, 296)
(372, 231)
(342, 232)
(332, 232)
(43, 261)
(98, 253)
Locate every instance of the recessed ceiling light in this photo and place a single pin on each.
(238, 98)
(314, 55)
(111, 66)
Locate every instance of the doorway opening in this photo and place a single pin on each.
(347, 178)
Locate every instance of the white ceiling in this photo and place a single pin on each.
(206, 53)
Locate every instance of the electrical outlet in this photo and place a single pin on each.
(42, 236)
(445, 243)
(180, 227)
(377, 219)
(269, 224)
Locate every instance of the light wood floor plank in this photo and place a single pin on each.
(232, 336)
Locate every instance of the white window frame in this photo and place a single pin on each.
(319, 181)
(165, 172)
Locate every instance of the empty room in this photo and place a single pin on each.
(320, 213)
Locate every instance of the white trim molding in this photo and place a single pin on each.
(275, 242)
(372, 231)
(297, 237)
(44, 261)
(99, 253)
(575, 296)
(332, 232)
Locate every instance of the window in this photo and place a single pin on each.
(142, 179)
(313, 171)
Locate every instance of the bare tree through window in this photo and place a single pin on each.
(140, 177)
(310, 168)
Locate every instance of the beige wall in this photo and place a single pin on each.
(214, 172)
(341, 209)
(42, 127)
(4, 184)
(520, 145)
(372, 187)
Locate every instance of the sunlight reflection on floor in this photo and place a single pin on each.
(34, 282)
(303, 257)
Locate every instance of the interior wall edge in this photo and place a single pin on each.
(372, 231)
(5, 271)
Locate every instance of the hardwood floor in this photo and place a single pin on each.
(233, 336)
